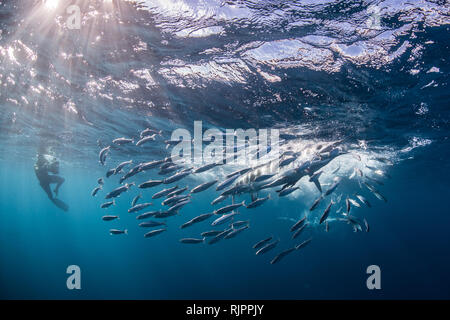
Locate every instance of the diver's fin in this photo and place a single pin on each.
(61, 204)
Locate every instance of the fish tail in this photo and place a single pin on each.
(126, 231)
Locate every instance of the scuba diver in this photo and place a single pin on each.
(45, 165)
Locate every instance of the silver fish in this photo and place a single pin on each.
(197, 219)
(235, 232)
(133, 171)
(267, 247)
(239, 172)
(364, 200)
(366, 224)
(136, 199)
(220, 236)
(110, 172)
(211, 233)
(203, 186)
(164, 192)
(347, 204)
(154, 233)
(379, 196)
(315, 204)
(148, 131)
(175, 199)
(118, 191)
(116, 231)
(206, 167)
(177, 206)
(147, 215)
(192, 240)
(102, 154)
(121, 166)
(109, 218)
(281, 255)
(303, 244)
(237, 224)
(263, 177)
(107, 204)
(150, 184)
(177, 176)
(297, 233)
(218, 200)
(229, 208)
(150, 165)
(354, 202)
(164, 214)
(176, 192)
(287, 191)
(257, 202)
(121, 141)
(326, 213)
(224, 218)
(145, 139)
(332, 188)
(227, 182)
(150, 224)
(287, 161)
(261, 243)
(140, 207)
(94, 192)
(298, 224)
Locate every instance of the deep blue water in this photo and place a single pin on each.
(315, 70)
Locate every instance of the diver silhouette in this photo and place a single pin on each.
(45, 165)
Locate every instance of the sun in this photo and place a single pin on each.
(51, 4)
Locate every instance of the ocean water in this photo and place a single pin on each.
(370, 77)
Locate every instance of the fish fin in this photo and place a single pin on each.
(253, 196)
(317, 183)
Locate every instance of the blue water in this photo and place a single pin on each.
(316, 70)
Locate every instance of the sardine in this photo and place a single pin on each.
(298, 224)
(281, 255)
(109, 218)
(203, 186)
(261, 243)
(116, 231)
(235, 232)
(229, 208)
(154, 233)
(107, 204)
(150, 184)
(303, 244)
(192, 240)
(140, 207)
(267, 247)
(326, 213)
(122, 141)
